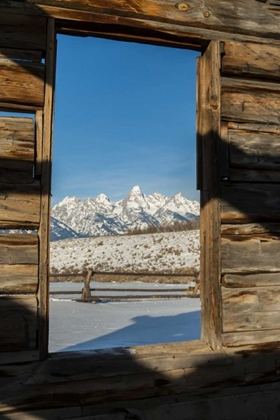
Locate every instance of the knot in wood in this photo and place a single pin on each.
(207, 13)
(183, 7)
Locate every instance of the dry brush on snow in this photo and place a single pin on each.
(171, 252)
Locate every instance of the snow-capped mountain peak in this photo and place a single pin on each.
(101, 216)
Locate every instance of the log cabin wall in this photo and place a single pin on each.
(250, 193)
(24, 189)
(238, 127)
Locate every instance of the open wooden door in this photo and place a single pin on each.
(26, 86)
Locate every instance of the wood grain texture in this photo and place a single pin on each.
(45, 209)
(243, 254)
(18, 249)
(269, 230)
(251, 280)
(250, 101)
(18, 279)
(244, 18)
(251, 59)
(17, 138)
(21, 83)
(20, 205)
(249, 309)
(18, 320)
(255, 337)
(209, 135)
(254, 150)
(103, 381)
(248, 203)
(21, 31)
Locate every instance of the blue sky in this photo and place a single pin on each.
(124, 116)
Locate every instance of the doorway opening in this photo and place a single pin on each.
(124, 199)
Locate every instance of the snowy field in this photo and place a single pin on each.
(86, 326)
(152, 252)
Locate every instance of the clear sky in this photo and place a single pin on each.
(124, 116)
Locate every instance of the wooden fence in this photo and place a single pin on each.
(148, 293)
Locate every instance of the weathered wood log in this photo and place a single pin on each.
(254, 150)
(251, 280)
(86, 292)
(18, 279)
(22, 83)
(45, 162)
(268, 230)
(207, 21)
(21, 54)
(20, 205)
(102, 380)
(250, 101)
(251, 59)
(18, 249)
(246, 203)
(17, 138)
(208, 126)
(252, 175)
(22, 31)
(256, 128)
(243, 254)
(18, 323)
(251, 309)
(13, 171)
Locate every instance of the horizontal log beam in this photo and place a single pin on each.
(210, 20)
(243, 254)
(251, 280)
(246, 203)
(251, 59)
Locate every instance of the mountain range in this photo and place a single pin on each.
(74, 218)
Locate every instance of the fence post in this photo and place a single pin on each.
(86, 289)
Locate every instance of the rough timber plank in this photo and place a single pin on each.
(243, 254)
(20, 54)
(246, 203)
(254, 150)
(17, 138)
(268, 230)
(149, 376)
(18, 249)
(251, 309)
(46, 158)
(250, 101)
(18, 279)
(201, 20)
(251, 280)
(16, 172)
(251, 59)
(22, 31)
(252, 175)
(20, 205)
(21, 83)
(18, 320)
(209, 135)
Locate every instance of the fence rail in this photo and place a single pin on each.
(86, 295)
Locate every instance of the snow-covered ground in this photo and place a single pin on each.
(86, 326)
(150, 252)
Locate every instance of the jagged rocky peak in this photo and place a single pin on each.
(102, 198)
(101, 216)
(67, 201)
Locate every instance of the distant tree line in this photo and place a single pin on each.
(177, 226)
